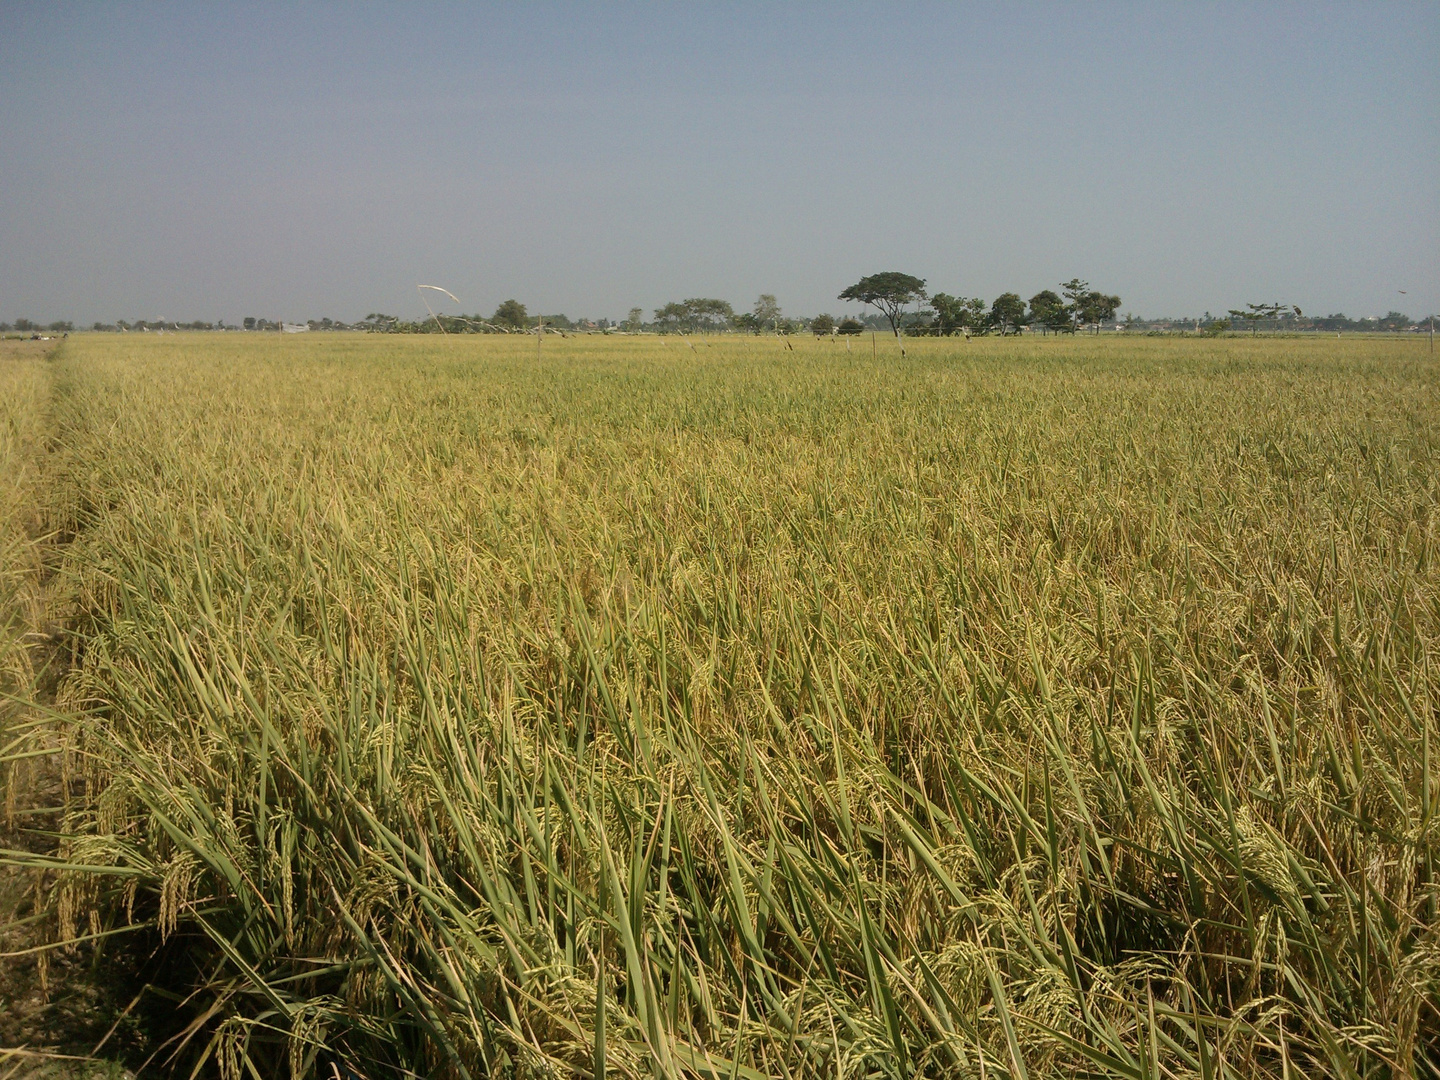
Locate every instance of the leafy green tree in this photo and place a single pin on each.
(822, 325)
(708, 315)
(850, 326)
(1255, 314)
(671, 317)
(1097, 307)
(1083, 305)
(1074, 292)
(698, 314)
(957, 314)
(634, 320)
(948, 314)
(767, 312)
(1047, 309)
(1008, 313)
(891, 292)
(511, 314)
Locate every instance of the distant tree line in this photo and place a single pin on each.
(895, 302)
(1280, 318)
(67, 327)
(26, 326)
(905, 305)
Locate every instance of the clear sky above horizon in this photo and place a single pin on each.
(217, 161)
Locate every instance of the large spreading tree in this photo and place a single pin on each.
(699, 314)
(891, 292)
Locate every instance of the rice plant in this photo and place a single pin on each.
(23, 389)
(1017, 709)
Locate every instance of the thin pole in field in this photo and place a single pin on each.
(1402, 292)
(539, 333)
(874, 349)
(436, 288)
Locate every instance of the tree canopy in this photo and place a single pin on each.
(1047, 309)
(1008, 313)
(767, 312)
(892, 292)
(1085, 306)
(957, 314)
(698, 314)
(1097, 307)
(512, 314)
(1256, 313)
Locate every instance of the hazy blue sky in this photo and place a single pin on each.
(217, 161)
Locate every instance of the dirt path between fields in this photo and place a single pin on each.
(56, 1005)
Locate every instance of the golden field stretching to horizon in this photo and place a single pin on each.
(731, 706)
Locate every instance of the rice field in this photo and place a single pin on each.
(23, 385)
(1022, 708)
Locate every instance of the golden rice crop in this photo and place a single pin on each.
(1021, 708)
(23, 390)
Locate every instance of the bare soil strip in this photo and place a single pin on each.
(56, 1005)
